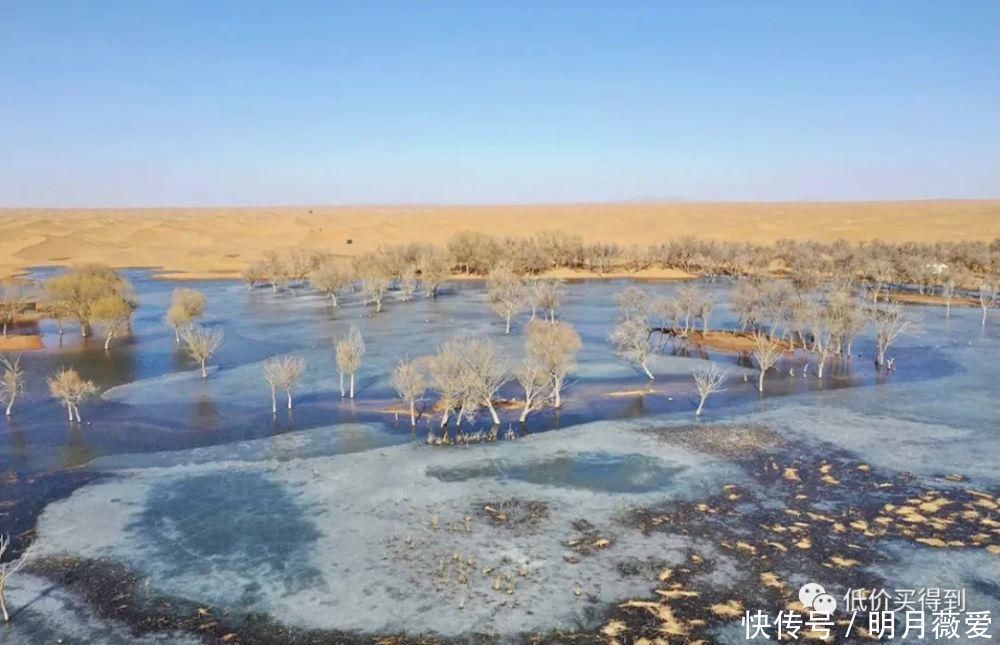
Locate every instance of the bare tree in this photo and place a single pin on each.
(633, 303)
(275, 270)
(410, 381)
(544, 295)
(12, 302)
(467, 373)
(987, 297)
(407, 282)
(283, 373)
(11, 381)
(948, 292)
(435, 267)
(505, 290)
(374, 288)
(349, 351)
(113, 313)
(72, 389)
(74, 293)
(766, 351)
(536, 381)
(330, 279)
(555, 347)
(890, 322)
(201, 343)
(8, 570)
(879, 272)
(446, 377)
(631, 341)
(483, 373)
(709, 379)
(254, 274)
(186, 306)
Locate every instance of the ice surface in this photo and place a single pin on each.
(332, 541)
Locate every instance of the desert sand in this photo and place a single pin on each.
(219, 242)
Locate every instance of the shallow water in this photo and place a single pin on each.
(325, 516)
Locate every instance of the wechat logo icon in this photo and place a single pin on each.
(814, 597)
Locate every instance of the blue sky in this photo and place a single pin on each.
(124, 103)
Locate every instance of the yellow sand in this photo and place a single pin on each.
(220, 242)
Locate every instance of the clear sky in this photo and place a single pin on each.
(216, 102)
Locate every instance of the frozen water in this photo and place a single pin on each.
(332, 541)
(335, 517)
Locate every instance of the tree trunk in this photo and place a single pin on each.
(3, 602)
(343, 393)
(378, 309)
(819, 368)
(444, 417)
(507, 330)
(352, 385)
(701, 404)
(5, 329)
(983, 323)
(84, 330)
(107, 341)
(69, 410)
(493, 412)
(274, 401)
(646, 370)
(204, 370)
(880, 358)
(333, 297)
(413, 412)
(10, 404)
(947, 310)
(760, 382)
(557, 391)
(76, 411)
(288, 392)
(177, 335)
(526, 410)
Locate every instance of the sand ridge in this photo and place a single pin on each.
(219, 242)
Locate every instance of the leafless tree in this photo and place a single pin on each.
(275, 270)
(435, 267)
(987, 297)
(254, 274)
(201, 343)
(374, 286)
(12, 302)
(330, 279)
(948, 292)
(349, 351)
(283, 373)
(505, 290)
(75, 293)
(11, 381)
(554, 346)
(113, 313)
(631, 341)
(890, 322)
(879, 272)
(847, 319)
(8, 570)
(544, 295)
(186, 306)
(709, 379)
(821, 324)
(537, 383)
(484, 373)
(72, 389)
(410, 381)
(467, 373)
(408, 282)
(446, 377)
(633, 303)
(766, 351)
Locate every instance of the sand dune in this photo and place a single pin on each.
(220, 242)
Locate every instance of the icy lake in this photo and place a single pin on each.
(338, 521)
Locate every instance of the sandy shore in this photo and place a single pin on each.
(218, 243)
